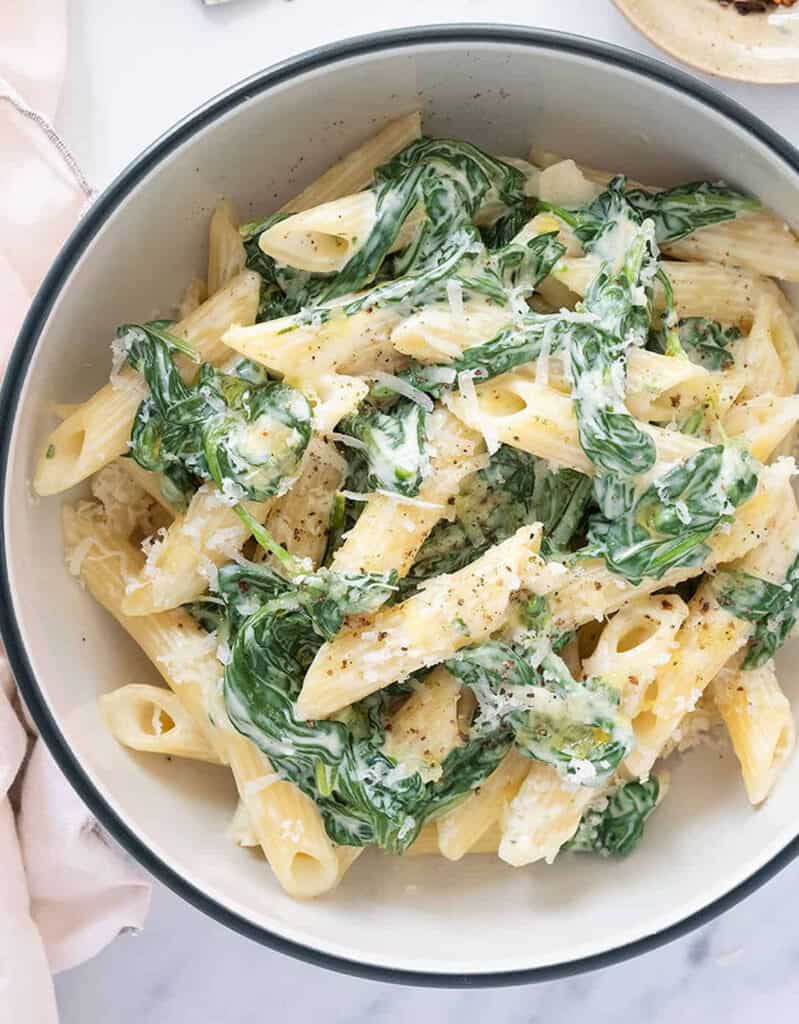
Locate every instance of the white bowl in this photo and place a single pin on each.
(421, 920)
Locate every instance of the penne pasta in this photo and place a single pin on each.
(461, 829)
(226, 255)
(722, 293)
(707, 641)
(99, 430)
(325, 238)
(390, 532)
(287, 823)
(426, 729)
(299, 519)
(515, 410)
(195, 295)
(357, 169)
(302, 353)
(152, 719)
(448, 613)
(760, 723)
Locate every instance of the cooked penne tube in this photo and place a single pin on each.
(99, 430)
(427, 842)
(763, 422)
(180, 649)
(761, 242)
(542, 816)
(707, 640)
(437, 335)
(240, 830)
(148, 481)
(722, 293)
(182, 563)
(516, 410)
(448, 613)
(338, 395)
(462, 828)
(535, 418)
(635, 643)
(299, 519)
(425, 729)
(195, 295)
(127, 503)
(659, 387)
(302, 352)
(389, 532)
(769, 356)
(324, 239)
(760, 722)
(226, 255)
(356, 170)
(152, 719)
(287, 823)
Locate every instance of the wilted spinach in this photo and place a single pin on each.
(247, 437)
(617, 825)
(667, 526)
(391, 445)
(772, 607)
(675, 212)
(574, 726)
(705, 342)
(514, 489)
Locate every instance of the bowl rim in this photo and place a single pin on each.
(65, 261)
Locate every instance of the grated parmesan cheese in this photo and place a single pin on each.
(455, 299)
(402, 387)
(468, 393)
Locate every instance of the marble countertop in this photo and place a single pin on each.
(134, 69)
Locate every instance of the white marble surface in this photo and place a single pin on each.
(136, 66)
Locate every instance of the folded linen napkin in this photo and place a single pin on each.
(65, 890)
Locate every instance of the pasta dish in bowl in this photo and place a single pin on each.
(454, 499)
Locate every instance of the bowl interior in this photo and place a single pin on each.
(478, 916)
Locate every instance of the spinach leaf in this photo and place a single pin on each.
(623, 228)
(772, 607)
(683, 209)
(247, 437)
(514, 489)
(619, 301)
(666, 527)
(392, 445)
(576, 727)
(505, 228)
(705, 342)
(675, 212)
(617, 826)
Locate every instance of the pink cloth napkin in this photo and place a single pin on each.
(65, 890)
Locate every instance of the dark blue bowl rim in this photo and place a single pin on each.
(82, 236)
